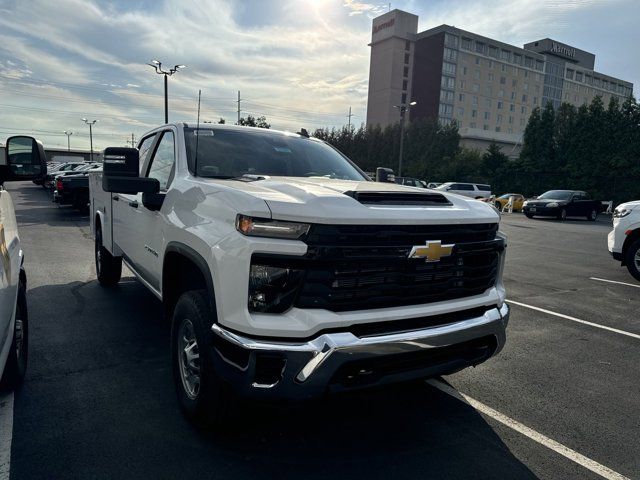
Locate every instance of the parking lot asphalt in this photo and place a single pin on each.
(98, 401)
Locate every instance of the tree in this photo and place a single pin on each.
(251, 121)
(222, 121)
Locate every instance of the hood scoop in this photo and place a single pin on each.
(399, 198)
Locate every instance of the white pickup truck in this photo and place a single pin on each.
(287, 273)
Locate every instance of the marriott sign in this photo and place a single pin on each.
(563, 50)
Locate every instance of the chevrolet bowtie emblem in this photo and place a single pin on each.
(432, 252)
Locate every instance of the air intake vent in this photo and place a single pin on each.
(399, 198)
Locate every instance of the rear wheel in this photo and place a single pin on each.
(16, 366)
(593, 215)
(632, 259)
(108, 267)
(204, 397)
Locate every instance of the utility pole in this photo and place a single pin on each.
(350, 115)
(238, 107)
(157, 65)
(403, 109)
(133, 141)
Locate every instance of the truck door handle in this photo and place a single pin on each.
(116, 198)
(133, 204)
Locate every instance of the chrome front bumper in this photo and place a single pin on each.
(298, 370)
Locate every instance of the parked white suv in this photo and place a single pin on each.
(24, 159)
(624, 240)
(472, 190)
(287, 273)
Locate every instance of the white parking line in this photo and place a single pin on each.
(614, 281)
(6, 432)
(543, 440)
(574, 319)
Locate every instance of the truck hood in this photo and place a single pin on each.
(323, 200)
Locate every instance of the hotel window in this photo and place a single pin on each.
(524, 98)
(477, 60)
(448, 82)
(528, 62)
(522, 122)
(474, 113)
(487, 102)
(578, 76)
(466, 43)
(493, 51)
(485, 127)
(510, 119)
(526, 87)
(503, 67)
(472, 125)
(497, 129)
(406, 58)
(449, 68)
(450, 40)
(463, 84)
(446, 109)
(450, 54)
(405, 84)
(598, 82)
(499, 120)
(517, 59)
(514, 82)
(538, 77)
(476, 74)
(461, 97)
(500, 105)
(446, 96)
(512, 108)
(569, 74)
(539, 65)
(536, 88)
(503, 80)
(501, 93)
(505, 54)
(491, 77)
(407, 45)
(526, 73)
(588, 79)
(487, 115)
(464, 70)
(476, 87)
(523, 110)
(474, 101)
(535, 100)
(460, 111)
(491, 64)
(404, 98)
(513, 95)
(479, 47)
(509, 130)
(489, 90)
(405, 72)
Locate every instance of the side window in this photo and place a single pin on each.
(465, 186)
(144, 148)
(163, 160)
(586, 196)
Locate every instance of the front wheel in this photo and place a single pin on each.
(632, 259)
(204, 397)
(562, 215)
(16, 366)
(108, 267)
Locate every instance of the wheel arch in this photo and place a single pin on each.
(184, 269)
(635, 235)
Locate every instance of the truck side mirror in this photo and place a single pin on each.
(121, 170)
(385, 175)
(24, 159)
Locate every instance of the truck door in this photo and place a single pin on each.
(125, 214)
(9, 272)
(148, 225)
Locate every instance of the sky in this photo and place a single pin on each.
(300, 63)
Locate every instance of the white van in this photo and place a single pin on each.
(473, 190)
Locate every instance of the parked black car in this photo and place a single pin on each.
(562, 204)
(73, 190)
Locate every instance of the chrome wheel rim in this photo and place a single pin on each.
(189, 359)
(98, 253)
(636, 259)
(563, 214)
(19, 337)
(593, 214)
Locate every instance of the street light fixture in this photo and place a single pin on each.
(157, 64)
(91, 123)
(68, 134)
(403, 108)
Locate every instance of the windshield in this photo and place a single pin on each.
(556, 195)
(232, 153)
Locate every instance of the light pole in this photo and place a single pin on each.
(167, 73)
(403, 108)
(91, 124)
(68, 134)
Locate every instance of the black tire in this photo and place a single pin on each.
(528, 215)
(593, 215)
(498, 205)
(108, 267)
(562, 215)
(16, 366)
(632, 259)
(208, 405)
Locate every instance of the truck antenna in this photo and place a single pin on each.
(195, 166)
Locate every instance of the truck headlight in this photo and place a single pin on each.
(621, 213)
(272, 289)
(265, 227)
